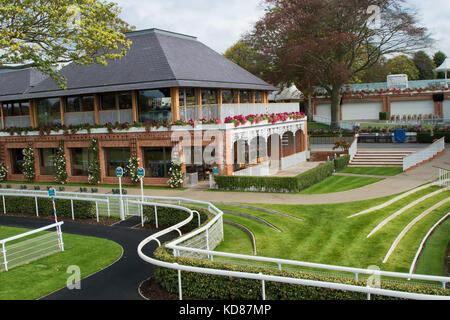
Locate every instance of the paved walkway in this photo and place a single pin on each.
(117, 282)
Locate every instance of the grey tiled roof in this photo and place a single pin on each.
(156, 59)
(17, 82)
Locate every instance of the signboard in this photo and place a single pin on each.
(397, 81)
(216, 171)
(119, 172)
(52, 193)
(141, 173)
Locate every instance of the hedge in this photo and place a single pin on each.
(202, 286)
(384, 115)
(425, 137)
(26, 205)
(276, 184)
(168, 217)
(342, 162)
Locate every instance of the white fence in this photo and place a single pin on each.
(444, 178)
(202, 242)
(16, 253)
(346, 125)
(424, 155)
(353, 150)
(293, 160)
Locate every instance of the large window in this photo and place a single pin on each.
(48, 112)
(157, 162)
(16, 108)
(188, 97)
(79, 104)
(210, 96)
(46, 157)
(245, 96)
(116, 157)
(259, 97)
(17, 160)
(79, 159)
(155, 105)
(115, 100)
(229, 96)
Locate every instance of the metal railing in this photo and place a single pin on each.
(23, 252)
(444, 178)
(184, 251)
(424, 155)
(353, 150)
(346, 125)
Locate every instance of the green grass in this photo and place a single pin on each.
(243, 247)
(314, 126)
(326, 235)
(374, 171)
(338, 184)
(46, 275)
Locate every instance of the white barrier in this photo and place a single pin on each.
(424, 155)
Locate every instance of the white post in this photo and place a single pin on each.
(71, 207)
(96, 210)
(156, 217)
(4, 256)
(4, 205)
(142, 200)
(109, 211)
(122, 216)
(263, 286)
(180, 292)
(37, 208)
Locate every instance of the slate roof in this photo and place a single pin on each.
(156, 59)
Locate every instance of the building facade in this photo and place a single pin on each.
(152, 104)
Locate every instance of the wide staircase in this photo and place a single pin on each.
(379, 158)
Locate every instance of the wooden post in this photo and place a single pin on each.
(175, 97)
(220, 100)
(2, 115)
(238, 96)
(200, 103)
(33, 113)
(253, 96)
(96, 107)
(61, 109)
(134, 108)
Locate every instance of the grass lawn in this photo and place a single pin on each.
(374, 171)
(315, 125)
(243, 247)
(339, 183)
(46, 275)
(326, 235)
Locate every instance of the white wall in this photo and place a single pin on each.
(412, 107)
(361, 111)
(324, 110)
(446, 109)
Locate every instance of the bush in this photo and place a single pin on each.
(384, 116)
(341, 162)
(276, 184)
(26, 205)
(204, 286)
(425, 137)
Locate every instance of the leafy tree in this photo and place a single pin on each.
(439, 58)
(425, 65)
(332, 41)
(246, 56)
(404, 65)
(46, 34)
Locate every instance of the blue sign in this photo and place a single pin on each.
(400, 135)
(119, 172)
(141, 173)
(216, 171)
(52, 193)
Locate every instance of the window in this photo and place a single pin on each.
(188, 97)
(229, 96)
(157, 162)
(46, 157)
(210, 96)
(259, 97)
(245, 96)
(79, 104)
(116, 157)
(125, 100)
(48, 111)
(16, 109)
(108, 101)
(16, 156)
(155, 105)
(115, 100)
(79, 159)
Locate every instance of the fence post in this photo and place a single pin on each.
(207, 239)
(109, 212)
(263, 287)
(180, 292)
(96, 210)
(4, 256)
(71, 207)
(156, 217)
(37, 207)
(4, 205)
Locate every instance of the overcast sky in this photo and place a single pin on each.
(220, 23)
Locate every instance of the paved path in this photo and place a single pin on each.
(117, 282)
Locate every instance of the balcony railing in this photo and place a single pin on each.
(221, 112)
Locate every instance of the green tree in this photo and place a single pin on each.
(46, 34)
(404, 65)
(425, 65)
(246, 56)
(439, 58)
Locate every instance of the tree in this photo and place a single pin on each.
(425, 65)
(439, 58)
(333, 40)
(404, 65)
(46, 34)
(247, 57)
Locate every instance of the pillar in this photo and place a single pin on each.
(175, 98)
(134, 108)
(2, 115)
(96, 108)
(61, 109)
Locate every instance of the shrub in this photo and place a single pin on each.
(131, 169)
(342, 162)
(176, 175)
(425, 137)
(3, 172)
(26, 205)
(168, 217)
(94, 166)
(384, 116)
(60, 166)
(28, 164)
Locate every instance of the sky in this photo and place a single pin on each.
(220, 23)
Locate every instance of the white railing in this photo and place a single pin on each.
(346, 125)
(185, 251)
(444, 178)
(23, 252)
(424, 155)
(353, 150)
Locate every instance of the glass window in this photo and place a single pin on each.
(188, 97)
(125, 100)
(79, 104)
(108, 101)
(46, 157)
(155, 105)
(116, 157)
(157, 162)
(245, 96)
(80, 158)
(258, 97)
(48, 112)
(17, 161)
(229, 96)
(210, 96)
(16, 109)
